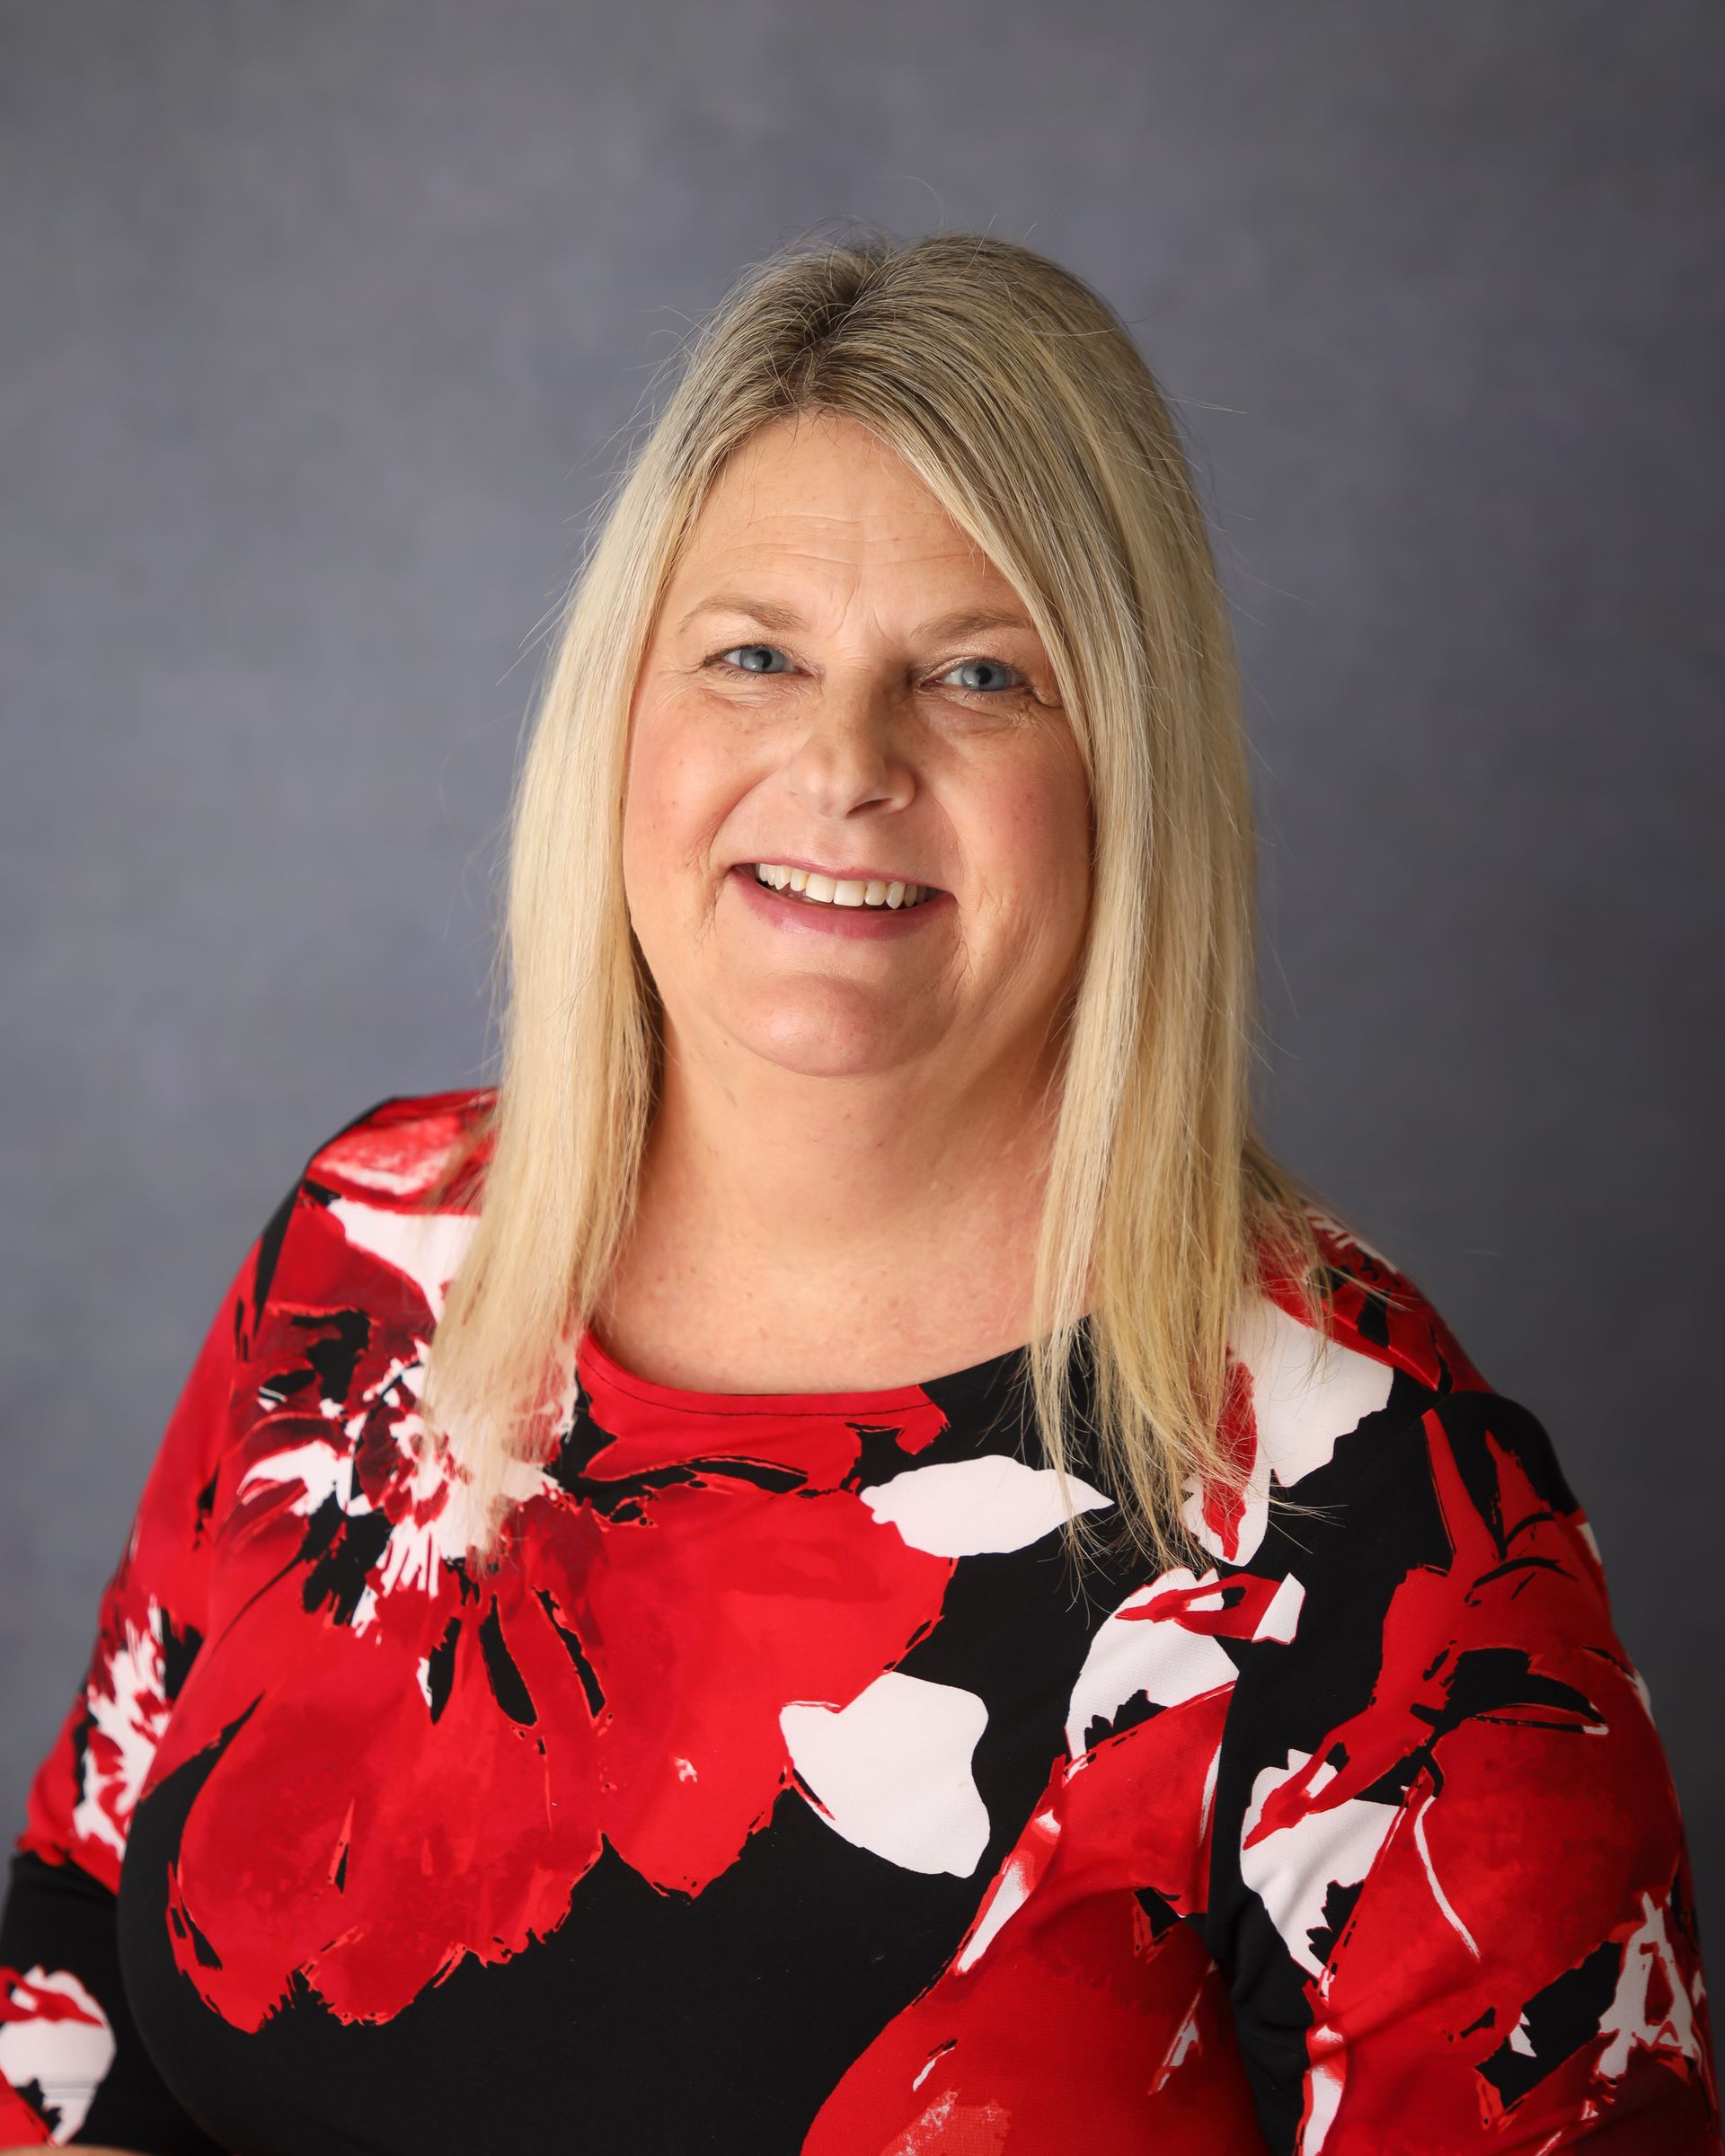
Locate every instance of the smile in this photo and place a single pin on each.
(848, 912)
(828, 890)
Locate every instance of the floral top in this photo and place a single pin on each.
(787, 1791)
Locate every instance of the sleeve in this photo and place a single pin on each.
(72, 2066)
(1449, 1881)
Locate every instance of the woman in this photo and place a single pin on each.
(843, 1562)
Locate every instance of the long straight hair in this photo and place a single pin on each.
(1017, 397)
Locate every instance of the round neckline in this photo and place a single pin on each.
(688, 1401)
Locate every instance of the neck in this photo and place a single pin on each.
(770, 1200)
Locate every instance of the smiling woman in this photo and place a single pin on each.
(763, 804)
(842, 1561)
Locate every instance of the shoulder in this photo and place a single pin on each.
(401, 1149)
(1380, 1402)
(389, 1199)
(1378, 1314)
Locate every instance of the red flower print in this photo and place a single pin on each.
(630, 1695)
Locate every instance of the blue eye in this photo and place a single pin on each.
(989, 665)
(1005, 680)
(771, 649)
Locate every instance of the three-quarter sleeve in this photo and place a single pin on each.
(1450, 1887)
(72, 2066)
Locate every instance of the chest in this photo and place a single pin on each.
(749, 1734)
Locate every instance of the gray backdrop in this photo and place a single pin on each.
(318, 321)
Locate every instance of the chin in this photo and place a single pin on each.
(831, 1044)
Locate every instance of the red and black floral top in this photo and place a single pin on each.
(788, 1791)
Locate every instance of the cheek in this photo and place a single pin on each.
(675, 797)
(1032, 839)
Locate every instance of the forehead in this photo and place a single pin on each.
(823, 486)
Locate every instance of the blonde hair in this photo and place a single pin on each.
(1016, 395)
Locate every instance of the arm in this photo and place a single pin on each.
(71, 2060)
(1450, 1882)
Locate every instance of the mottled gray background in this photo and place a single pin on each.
(318, 323)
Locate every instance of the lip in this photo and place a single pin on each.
(819, 867)
(870, 924)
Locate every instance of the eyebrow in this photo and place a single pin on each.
(967, 621)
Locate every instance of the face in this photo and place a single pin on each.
(838, 682)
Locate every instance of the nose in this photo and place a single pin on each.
(851, 753)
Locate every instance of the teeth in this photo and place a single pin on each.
(846, 891)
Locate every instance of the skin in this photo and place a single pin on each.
(841, 1182)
